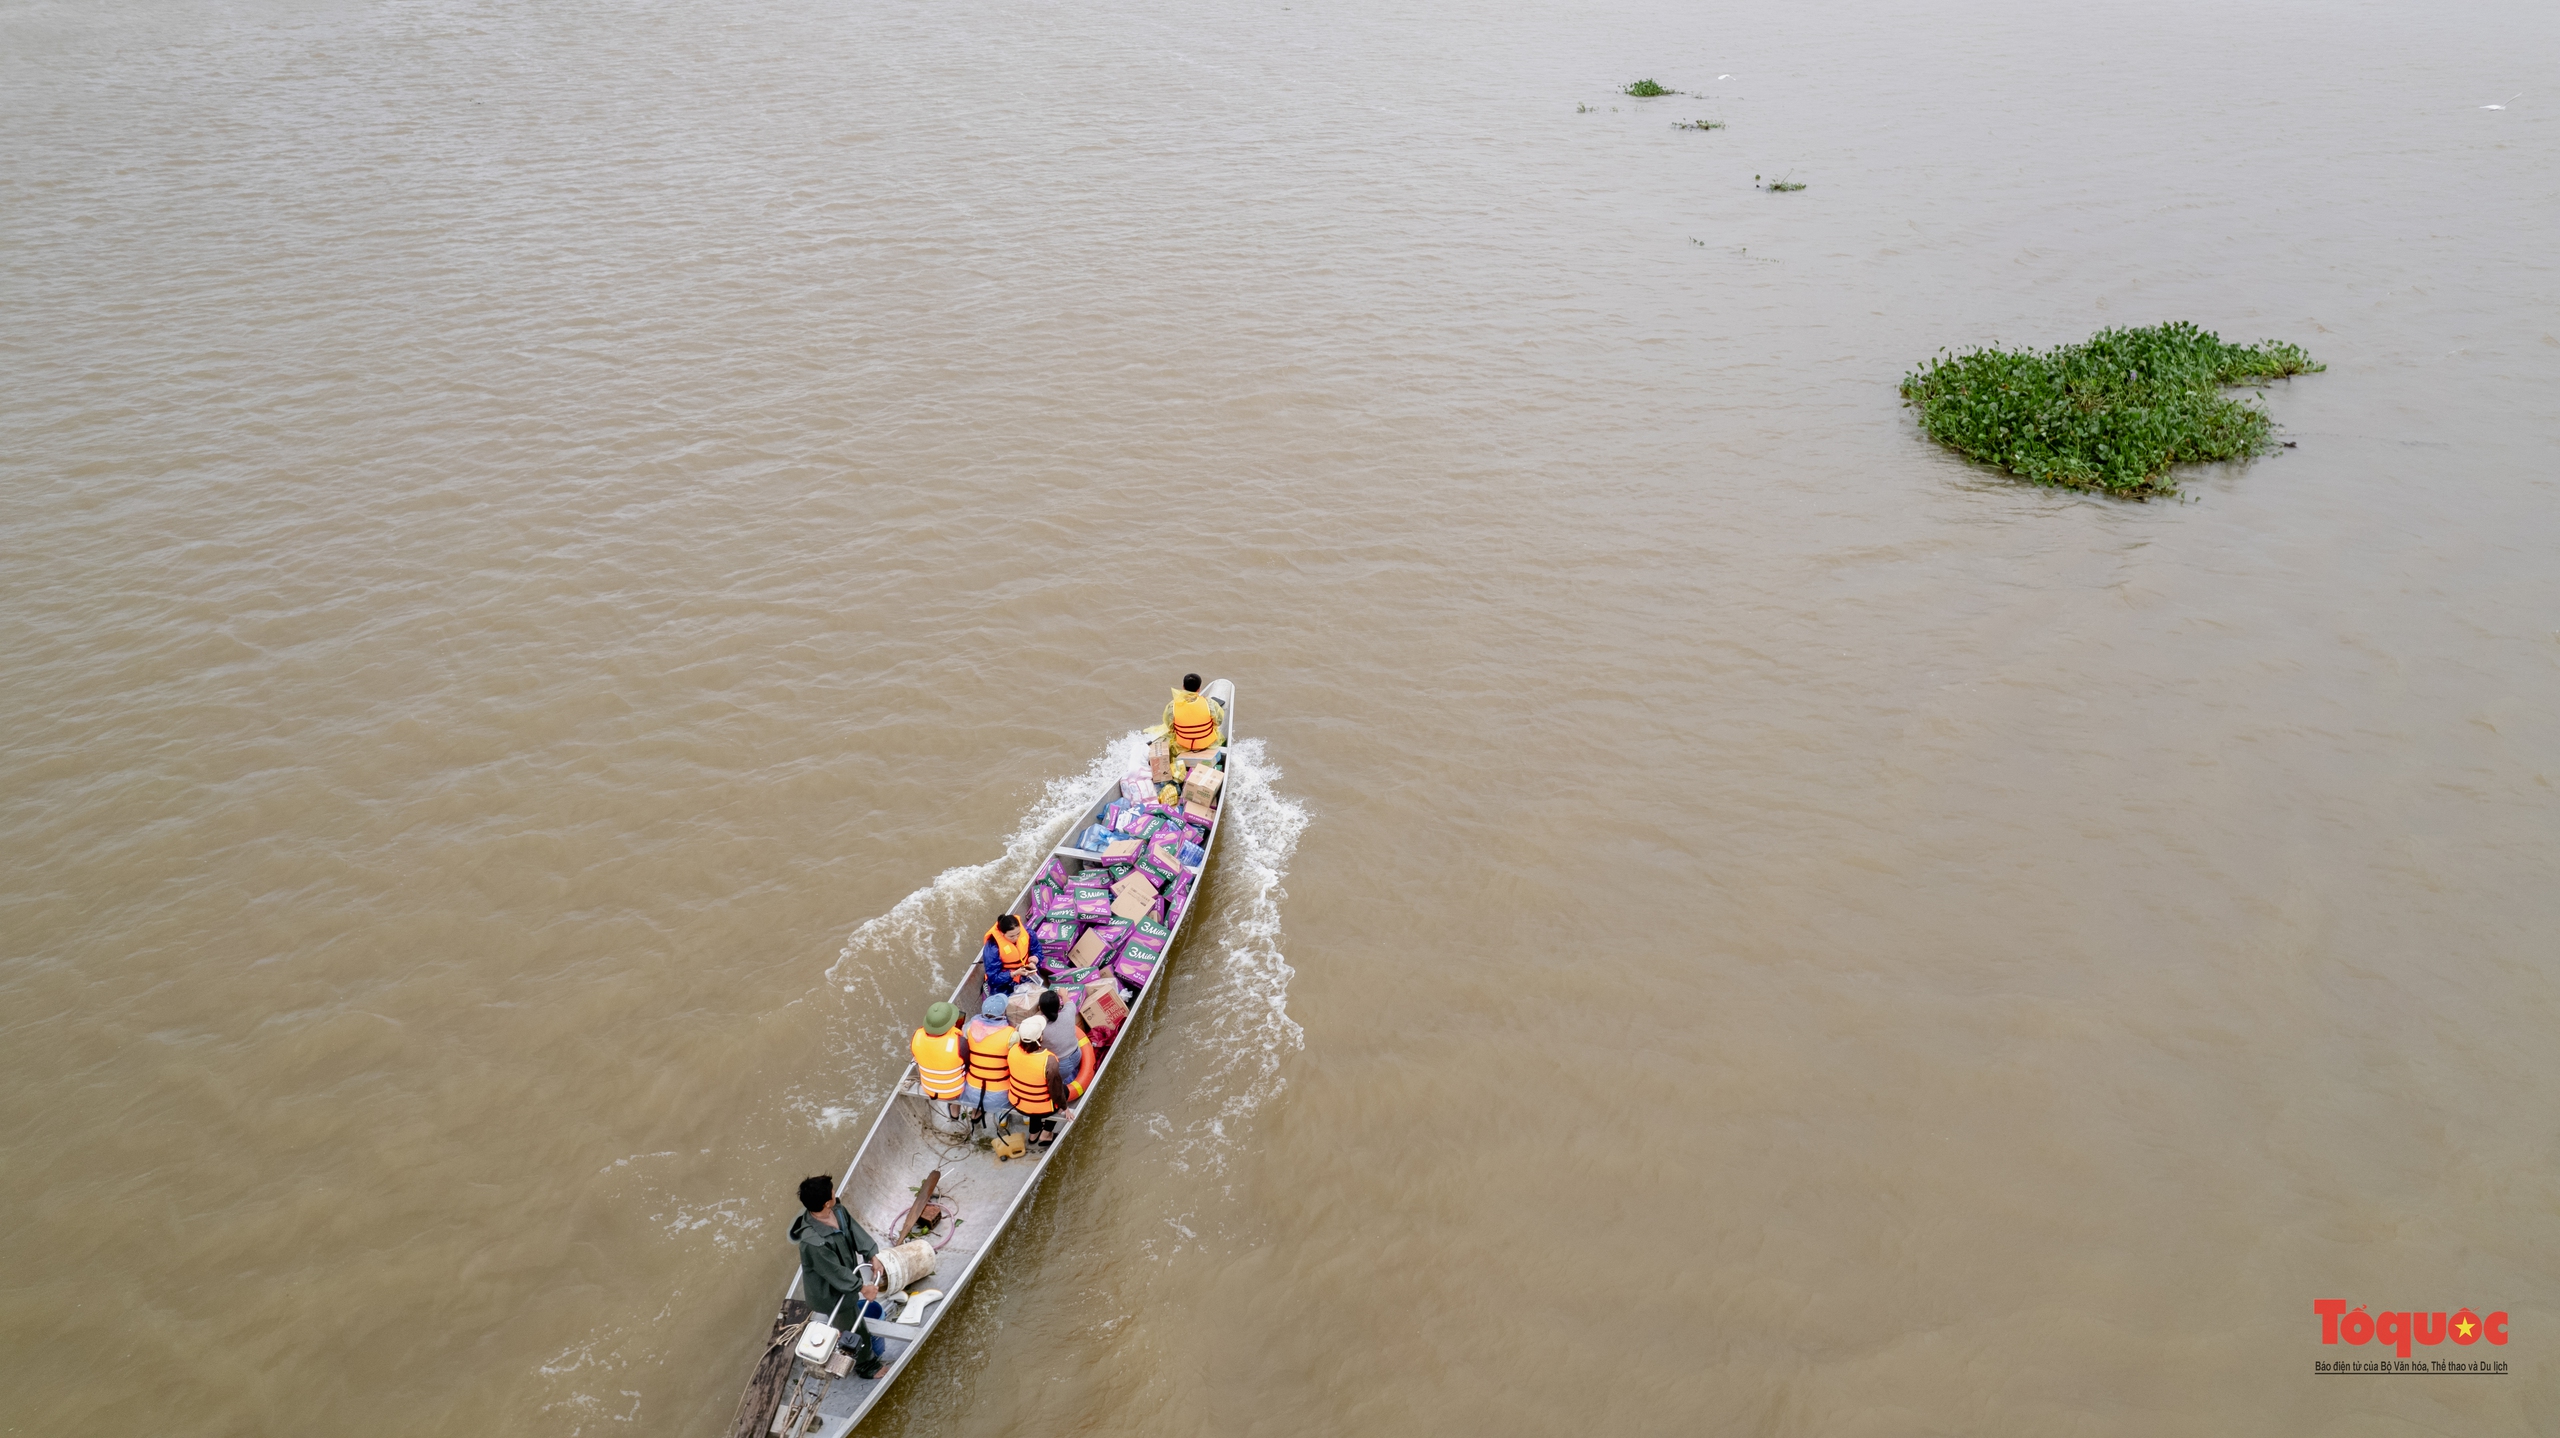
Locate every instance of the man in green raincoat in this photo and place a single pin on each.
(833, 1249)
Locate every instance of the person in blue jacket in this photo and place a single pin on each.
(1012, 956)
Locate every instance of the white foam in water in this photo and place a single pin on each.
(936, 921)
(1242, 1023)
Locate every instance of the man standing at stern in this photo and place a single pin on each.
(833, 1250)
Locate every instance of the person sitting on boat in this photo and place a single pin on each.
(1012, 955)
(835, 1265)
(1066, 1037)
(1192, 722)
(942, 1058)
(1036, 1086)
(985, 1041)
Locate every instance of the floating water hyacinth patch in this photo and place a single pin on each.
(1697, 124)
(2112, 415)
(1646, 90)
(1779, 186)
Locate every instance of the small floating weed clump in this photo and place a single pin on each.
(1779, 186)
(1646, 90)
(1697, 124)
(2112, 415)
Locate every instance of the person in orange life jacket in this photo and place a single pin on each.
(1036, 1087)
(942, 1057)
(1068, 1040)
(1012, 955)
(1193, 722)
(985, 1042)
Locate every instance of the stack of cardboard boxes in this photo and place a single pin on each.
(1200, 789)
(1103, 922)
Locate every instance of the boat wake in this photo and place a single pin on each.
(1238, 1032)
(938, 921)
(1225, 1025)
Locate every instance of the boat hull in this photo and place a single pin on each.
(910, 1139)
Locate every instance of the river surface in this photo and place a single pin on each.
(558, 557)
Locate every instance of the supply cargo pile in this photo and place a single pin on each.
(1104, 908)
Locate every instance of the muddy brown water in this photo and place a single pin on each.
(557, 557)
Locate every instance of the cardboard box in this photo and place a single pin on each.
(1087, 952)
(1200, 811)
(1123, 848)
(1201, 785)
(1160, 760)
(1133, 897)
(1103, 1011)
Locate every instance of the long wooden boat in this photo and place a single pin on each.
(910, 1141)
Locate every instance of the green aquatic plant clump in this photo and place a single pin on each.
(2112, 415)
(1646, 90)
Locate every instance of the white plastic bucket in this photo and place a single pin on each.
(905, 1266)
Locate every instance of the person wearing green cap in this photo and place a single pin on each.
(942, 1057)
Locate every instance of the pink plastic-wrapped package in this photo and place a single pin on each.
(1055, 940)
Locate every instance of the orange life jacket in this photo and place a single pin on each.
(1015, 951)
(938, 1063)
(990, 1040)
(1030, 1081)
(1195, 724)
